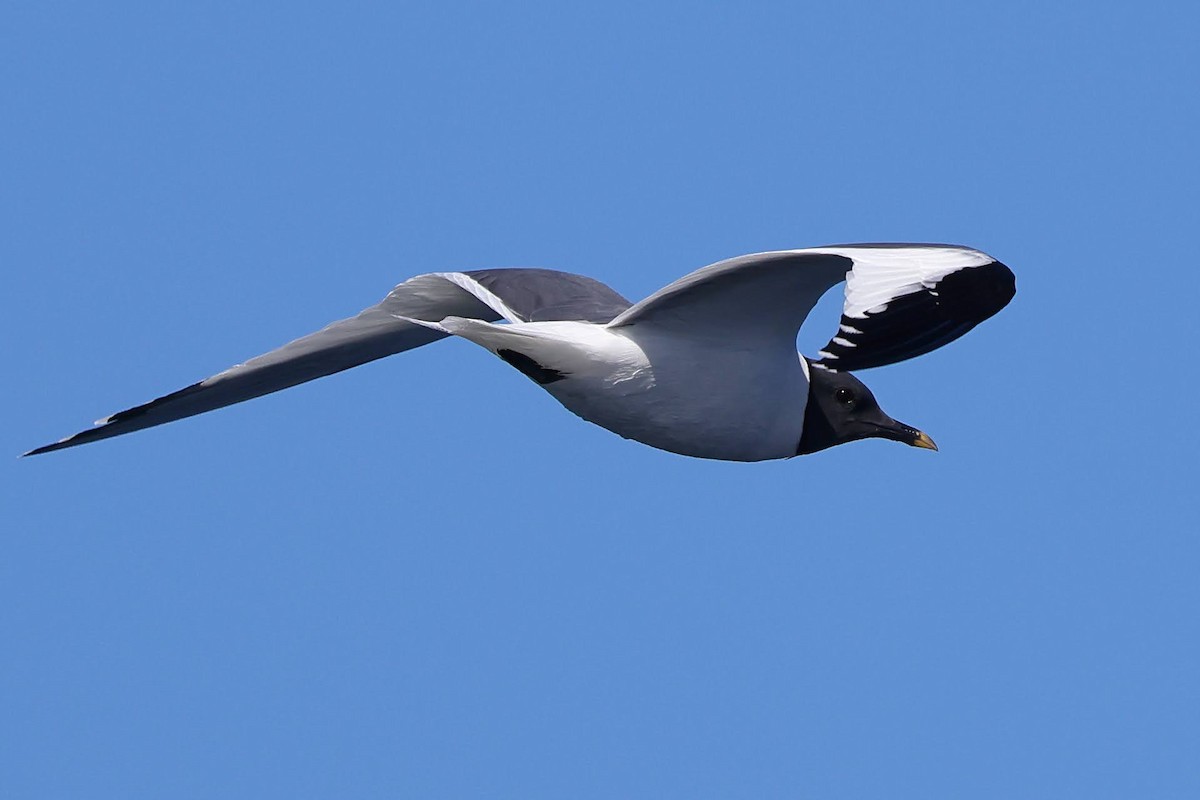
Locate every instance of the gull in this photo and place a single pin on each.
(706, 366)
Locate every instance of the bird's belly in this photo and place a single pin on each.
(707, 403)
(683, 394)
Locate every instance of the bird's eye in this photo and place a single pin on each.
(845, 397)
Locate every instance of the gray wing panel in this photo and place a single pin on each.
(370, 335)
(751, 299)
(543, 295)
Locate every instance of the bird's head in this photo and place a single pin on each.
(842, 409)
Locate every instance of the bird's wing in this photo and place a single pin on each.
(754, 297)
(382, 330)
(543, 295)
(905, 300)
(901, 300)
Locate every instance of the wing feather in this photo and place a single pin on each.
(903, 301)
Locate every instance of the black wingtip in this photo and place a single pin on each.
(83, 437)
(102, 429)
(974, 295)
(50, 448)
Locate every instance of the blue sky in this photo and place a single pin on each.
(424, 578)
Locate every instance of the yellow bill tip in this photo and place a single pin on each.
(923, 441)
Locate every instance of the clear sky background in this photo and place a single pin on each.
(424, 578)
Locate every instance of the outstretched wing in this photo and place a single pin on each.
(381, 330)
(901, 300)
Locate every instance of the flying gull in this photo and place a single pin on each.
(705, 367)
